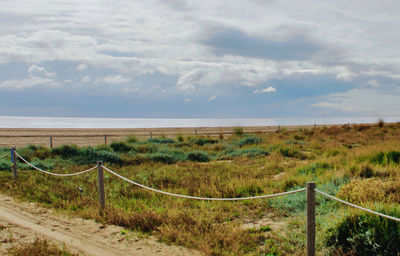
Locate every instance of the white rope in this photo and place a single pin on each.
(358, 207)
(203, 198)
(4, 155)
(51, 173)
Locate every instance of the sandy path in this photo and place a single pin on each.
(23, 222)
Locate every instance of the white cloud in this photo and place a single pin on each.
(36, 70)
(28, 83)
(130, 45)
(373, 83)
(86, 79)
(81, 66)
(117, 79)
(364, 102)
(212, 98)
(187, 100)
(265, 90)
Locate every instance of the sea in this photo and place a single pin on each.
(79, 122)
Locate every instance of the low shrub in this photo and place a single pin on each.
(370, 190)
(247, 152)
(383, 158)
(65, 151)
(366, 172)
(161, 141)
(46, 165)
(144, 148)
(120, 147)
(88, 155)
(248, 140)
(36, 151)
(366, 234)
(37, 248)
(5, 166)
(202, 141)
(180, 138)
(289, 152)
(166, 156)
(132, 139)
(298, 137)
(315, 168)
(198, 156)
(238, 131)
(380, 123)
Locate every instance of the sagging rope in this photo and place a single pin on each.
(4, 155)
(356, 206)
(206, 198)
(52, 173)
(202, 198)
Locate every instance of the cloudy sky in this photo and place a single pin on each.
(216, 59)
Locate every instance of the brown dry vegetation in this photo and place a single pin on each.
(357, 163)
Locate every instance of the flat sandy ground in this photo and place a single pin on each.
(83, 137)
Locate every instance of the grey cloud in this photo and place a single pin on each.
(229, 41)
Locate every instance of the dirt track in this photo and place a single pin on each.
(23, 222)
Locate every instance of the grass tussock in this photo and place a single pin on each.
(39, 247)
(365, 234)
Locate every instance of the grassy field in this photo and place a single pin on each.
(358, 163)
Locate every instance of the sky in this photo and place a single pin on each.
(200, 59)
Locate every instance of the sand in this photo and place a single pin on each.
(84, 137)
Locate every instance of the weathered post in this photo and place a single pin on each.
(310, 219)
(315, 126)
(151, 135)
(105, 139)
(195, 132)
(279, 128)
(14, 163)
(51, 141)
(100, 178)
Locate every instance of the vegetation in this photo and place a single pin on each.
(39, 247)
(357, 163)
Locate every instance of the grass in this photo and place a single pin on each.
(357, 163)
(39, 247)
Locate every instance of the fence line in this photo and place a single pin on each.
(203, 198)
(310, 196)
(356, 206)
(52, 173)
(4, 155)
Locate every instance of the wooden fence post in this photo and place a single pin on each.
(279, 128)
(195, 132)
(14, 163)
(51, 141)
(151, 135)
(310, 219)
(105, 139)
(100, 178)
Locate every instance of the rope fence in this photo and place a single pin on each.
(202, 198)
(52, 173)
(356, 206)
(4, 155)
(310, 189)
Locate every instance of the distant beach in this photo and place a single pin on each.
(116, 123)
